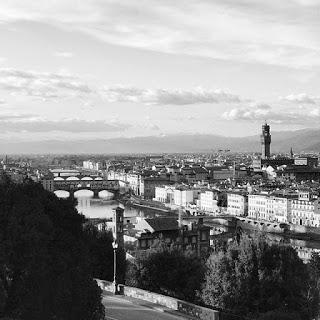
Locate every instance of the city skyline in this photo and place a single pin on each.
(106, 69)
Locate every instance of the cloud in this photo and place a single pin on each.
(257, 112)
(301, 98)
(185, 118)
(265, 112)
(31, 123)
(64, 54)
(167, 96)
(13, 117)
(279, 33)
(42, 85)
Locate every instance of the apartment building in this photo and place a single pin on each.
(209, 201)
(164, 194)
(183, 196)
(177, 195)
(302, 210)
(92, 165)
(260, 207)
(237, 204)
(149, 184)
(269, 208)
(282, 209)
(302, 213)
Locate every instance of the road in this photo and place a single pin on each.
(125, 308)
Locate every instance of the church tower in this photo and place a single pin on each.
(117, 220)
(265, 141)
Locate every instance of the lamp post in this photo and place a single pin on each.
(115, 247)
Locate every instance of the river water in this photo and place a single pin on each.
(103, 206)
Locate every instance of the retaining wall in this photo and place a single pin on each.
(304, 229)
(265, 226)
(169, 302)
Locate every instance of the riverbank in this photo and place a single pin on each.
(136, 202)
(286, 230)
(136, 205)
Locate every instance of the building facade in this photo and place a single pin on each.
(237, 204)
(209, 201)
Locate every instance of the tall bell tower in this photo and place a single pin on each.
(265, 141)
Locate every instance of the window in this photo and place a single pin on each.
(143, 243)
(204, 236)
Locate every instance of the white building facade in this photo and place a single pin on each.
(182, 197)
(263, 207)
(303, 213)
(209, 202)
(237, 204)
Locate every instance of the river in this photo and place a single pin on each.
(103, 206)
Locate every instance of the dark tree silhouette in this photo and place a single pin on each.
(101, 254)
(167, 271)
(44, 261)
(253, 277)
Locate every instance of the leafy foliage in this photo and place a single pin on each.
(100, 251)
(44, 261)
(278, 315)
(101, 254)
(253, 277)
(167, 271)
(314, 284)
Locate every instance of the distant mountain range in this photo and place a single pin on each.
(300, 140)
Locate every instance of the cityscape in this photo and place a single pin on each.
(159, 160)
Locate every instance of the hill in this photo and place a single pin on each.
(300, 140)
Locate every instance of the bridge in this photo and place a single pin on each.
(76, 183)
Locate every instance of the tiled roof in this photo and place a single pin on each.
(162, 224)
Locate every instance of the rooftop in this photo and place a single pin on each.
(163, 224)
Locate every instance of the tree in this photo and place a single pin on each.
(278, 315)
(231, 280)
(167, 271)
(44, 261)
(254, 277)
(314, 284)
(100, 251)
(101, 254)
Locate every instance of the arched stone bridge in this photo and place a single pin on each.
(73, 184)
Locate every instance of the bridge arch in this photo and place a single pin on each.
(72, 179)
(58, 179)
(84, 193)
(86, 179)
(105, 194)
(62, 194)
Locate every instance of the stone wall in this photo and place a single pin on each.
(169, 302)
(294, 228)
(163, 300)
(264, 226)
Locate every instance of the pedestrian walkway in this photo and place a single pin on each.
(120, 307)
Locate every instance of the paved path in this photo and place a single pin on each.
(126, 308)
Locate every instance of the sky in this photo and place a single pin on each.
(72, 69)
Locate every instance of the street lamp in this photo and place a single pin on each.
(115, 247)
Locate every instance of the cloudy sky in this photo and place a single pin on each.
(72, 69)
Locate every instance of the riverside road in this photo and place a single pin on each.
(125, 308)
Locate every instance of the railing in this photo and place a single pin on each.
(184, 307)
